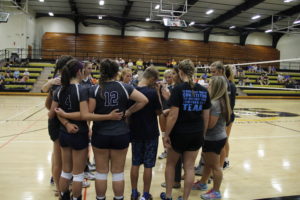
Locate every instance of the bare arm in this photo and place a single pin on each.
(73, 115)
(87, 114)
(71, 128)
(48, 101)
(51, 113)
(205, 117)
(171, 120)
(54, 81)
(140, 101)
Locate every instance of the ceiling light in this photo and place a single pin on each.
(147, 19)
(100, 17)
(268, 31)
(231, 27)
(41, 0)
(51, 14)
(192, 23)
(256, 17)
(296, 22)
(287, 1)
(209, 12)
(101, 2)
(157, 6)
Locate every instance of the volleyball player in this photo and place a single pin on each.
(53, 124)
(186, 124)
(144, 134)
(110, 140)
(215, 137)
(73, 131)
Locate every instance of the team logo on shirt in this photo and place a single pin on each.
(193, 100)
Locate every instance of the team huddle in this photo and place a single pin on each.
(112, 114)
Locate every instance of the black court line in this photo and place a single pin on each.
(33, 114)
(27, 132)
(283, 127)
(296, 197)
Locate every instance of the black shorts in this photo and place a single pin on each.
(232, 117)
(214, 146)
(189, 142)
(53, 128)
(77, 141)
(110, 142)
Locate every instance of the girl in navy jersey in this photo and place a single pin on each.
(53, 124)
(73, 132)
(186, 125)
(107, 107)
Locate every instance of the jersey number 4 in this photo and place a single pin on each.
(111, 98)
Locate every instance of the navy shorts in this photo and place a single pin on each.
(186, 142)
(77, 141)
(144, 152)
(110, 142)
(53, 128)
(214, 146)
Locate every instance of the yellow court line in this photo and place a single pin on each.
(258, 120)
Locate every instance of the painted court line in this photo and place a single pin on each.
(24, 111)
(14, 137)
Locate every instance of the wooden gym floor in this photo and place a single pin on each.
(264, 156)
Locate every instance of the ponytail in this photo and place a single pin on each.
(69, 71)
(61, 62)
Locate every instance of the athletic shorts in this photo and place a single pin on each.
(189, 142)
(232, 117)
(53, 128)
(144, 152)
(110, 142)
(214, 146)
(77, 141)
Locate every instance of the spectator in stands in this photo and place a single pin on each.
(173, 63)
(139, 64)
(254, 68)
(25, 77)
(247, 82)
(2, 78)
(240, 72)
(16, 75)
(250, 68)
(286, 78)
(264, 79)
(126, 76)
(280, 78)
(122, 62)
(272, 70)
(169, 64)
(130, 64)
(7, 72)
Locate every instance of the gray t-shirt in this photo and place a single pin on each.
(218, 132)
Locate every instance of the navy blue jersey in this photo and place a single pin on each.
(112, 95)
(143, 124)
(87, 83)
(191, 103)
(69, 99)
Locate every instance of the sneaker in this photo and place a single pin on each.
(89, 175)
(175, 186)
(135, 196)
(144, 198)
(180, 198)
(163, 155)
(85, 184)
(226, 165)
(199, 170)
(163, 196)
(199, 186)
(212, 195)
(91, 167)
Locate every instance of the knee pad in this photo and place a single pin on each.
(101, 176)
(118, 176)
(78, 177)
(66, 175)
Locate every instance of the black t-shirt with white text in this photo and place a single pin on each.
(191, 103)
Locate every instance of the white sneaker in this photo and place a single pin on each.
(163, 155)
(89, 175)
(91, 167)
